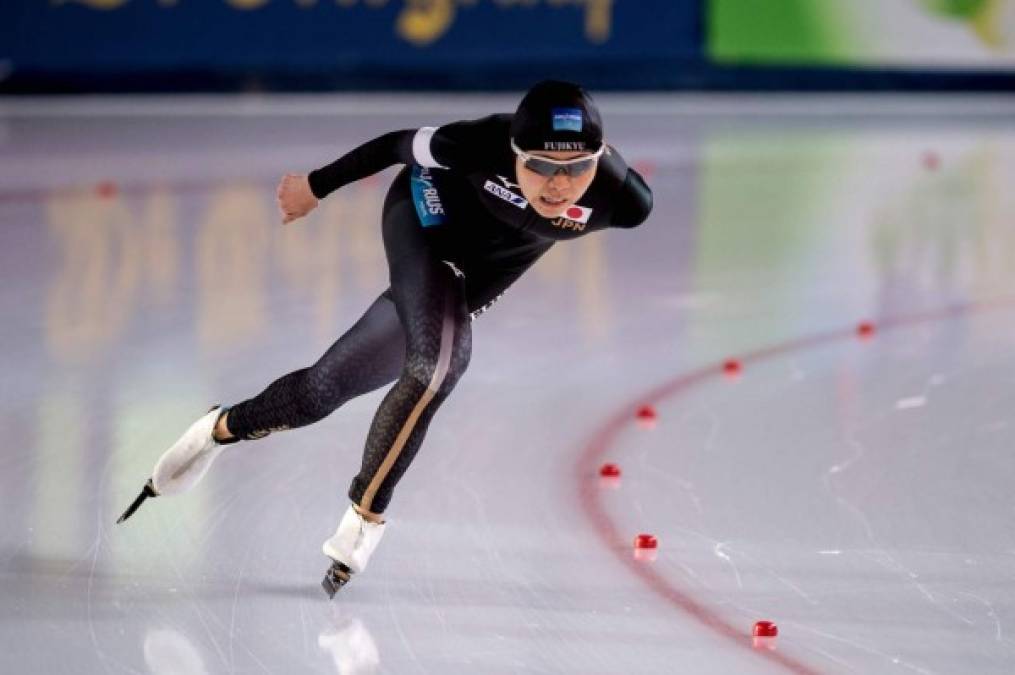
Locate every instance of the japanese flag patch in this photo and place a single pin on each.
(578, 214)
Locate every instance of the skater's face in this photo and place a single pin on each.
(553, 188)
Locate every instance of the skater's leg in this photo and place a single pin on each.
(435, 304)
(431, 304)
(368, 356)
(183, 465)
(482, 288)
(438, 352)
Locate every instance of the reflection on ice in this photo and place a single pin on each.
(168, 652)
(351, 646)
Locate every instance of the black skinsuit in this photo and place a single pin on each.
(457, 232)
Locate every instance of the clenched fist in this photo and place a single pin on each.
(295, 199)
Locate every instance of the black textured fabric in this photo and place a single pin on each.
(441, 269)
(394, 147)
(439, 274)
(635, 202)
(490, 221)
(398, 338)
(367, 357)
(431, 303)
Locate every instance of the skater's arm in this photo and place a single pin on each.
(392, 148)
(458, 146)
(298, 195)
(632, 200)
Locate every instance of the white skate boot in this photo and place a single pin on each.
(350, 549)
(183, 465)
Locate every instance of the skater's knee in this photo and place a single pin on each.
(422, 368)
(439, 370)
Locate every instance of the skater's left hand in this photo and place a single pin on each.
(295, 199)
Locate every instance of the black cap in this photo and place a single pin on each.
(556, 115)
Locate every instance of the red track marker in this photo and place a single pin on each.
(106, 189)
(765, 633)
(645, 548)
(609, 471)
(647, 417)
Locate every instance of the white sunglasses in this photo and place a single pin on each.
(544, 166)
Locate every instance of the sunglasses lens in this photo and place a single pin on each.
(550, 169)
(578, 168)
(541, 167)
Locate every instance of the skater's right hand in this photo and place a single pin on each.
(295, 198)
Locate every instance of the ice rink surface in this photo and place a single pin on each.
(856, 492)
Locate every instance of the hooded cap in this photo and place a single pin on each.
(556, 115)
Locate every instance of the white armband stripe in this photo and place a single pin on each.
(421, 148)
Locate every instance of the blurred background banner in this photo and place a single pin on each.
(489, 44)
(295, 45)
(932, 34)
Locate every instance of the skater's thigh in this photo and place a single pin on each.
(425, 289)
(370, 354)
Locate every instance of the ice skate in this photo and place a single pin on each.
(350, 549)
(184, 464)
(338, 575)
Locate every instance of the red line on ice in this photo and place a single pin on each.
(603, 438)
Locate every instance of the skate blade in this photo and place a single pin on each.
(336, 577)
(146, 492)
